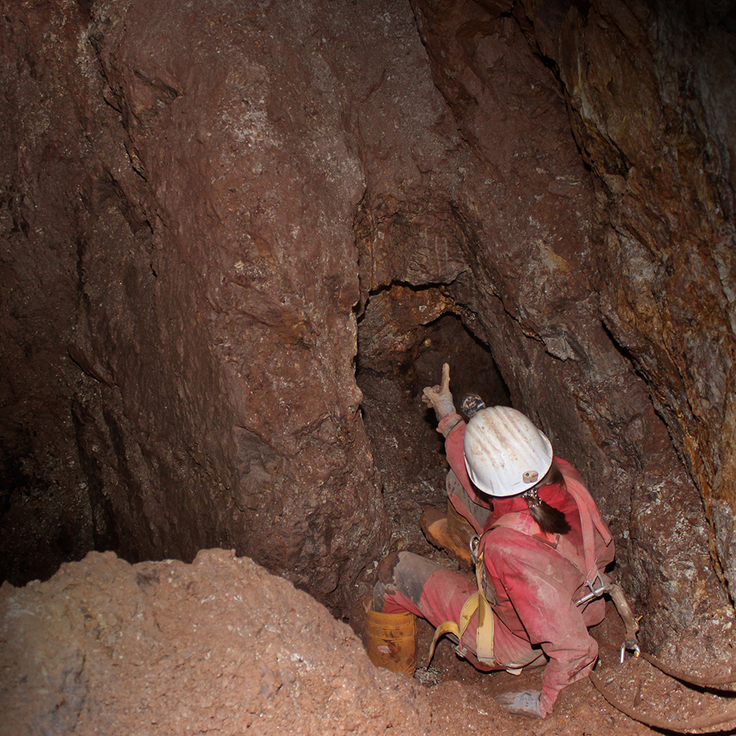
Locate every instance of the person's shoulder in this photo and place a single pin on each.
(567, 470)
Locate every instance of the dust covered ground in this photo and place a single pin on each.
(221, 646)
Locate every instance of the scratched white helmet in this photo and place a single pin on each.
(505, 453)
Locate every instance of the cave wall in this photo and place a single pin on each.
(651, 87)
(200, 202)
(503, 225)
(188, 367)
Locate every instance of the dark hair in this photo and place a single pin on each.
(550, 519)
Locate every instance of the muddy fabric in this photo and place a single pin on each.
(475, 513)
(442, 599)
(535, 589)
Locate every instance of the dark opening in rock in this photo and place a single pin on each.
(402, 344)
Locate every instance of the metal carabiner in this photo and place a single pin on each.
(596, 591)
(631, 646)
(473, 544)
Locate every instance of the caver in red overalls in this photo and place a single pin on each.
(533, 589)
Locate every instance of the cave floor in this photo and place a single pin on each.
(409, 454)
(462, 698)
(222, 646)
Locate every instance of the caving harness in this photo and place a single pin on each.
(597, 583)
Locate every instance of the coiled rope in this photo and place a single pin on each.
(683, 726)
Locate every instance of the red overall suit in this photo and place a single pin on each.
(532, 588)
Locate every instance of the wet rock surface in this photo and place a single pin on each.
(184, 376)
(518, 216)
(651, 91)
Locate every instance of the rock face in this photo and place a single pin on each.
(652, 90)
(218, 646)
(184, 377)
(517, 216)
(206, 207)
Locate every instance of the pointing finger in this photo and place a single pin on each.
(445, 376)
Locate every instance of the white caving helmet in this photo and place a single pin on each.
(505, 454)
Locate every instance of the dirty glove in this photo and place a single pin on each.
(439, 397)
(524, 703)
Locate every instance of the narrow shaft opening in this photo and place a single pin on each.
(399, 355)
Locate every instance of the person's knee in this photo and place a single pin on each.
(386, 568)
(403, 572)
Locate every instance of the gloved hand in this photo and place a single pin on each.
(439, 397)
(524, 703)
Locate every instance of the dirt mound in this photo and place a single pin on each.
(218, 646)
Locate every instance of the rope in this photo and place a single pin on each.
(684, 677)
(677, 726)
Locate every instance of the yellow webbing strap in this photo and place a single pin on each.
(484, 634)
(450, 627)
(486, 622)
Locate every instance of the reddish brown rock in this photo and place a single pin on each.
(197, 365)
(652, 93)
(518, 207)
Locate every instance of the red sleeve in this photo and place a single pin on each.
(455, 453)
(535, 590)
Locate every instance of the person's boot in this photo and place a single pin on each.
(448, 531)
(391, 639)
